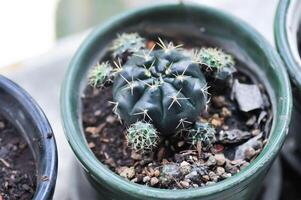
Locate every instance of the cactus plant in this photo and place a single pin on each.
(100, 75)
(162, 86)
(142, 136)
(127, 42)
(217, 63)
(201, 132)
(161, 91)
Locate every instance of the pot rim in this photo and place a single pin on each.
(98, 171)
(282, 42)
(47, 167)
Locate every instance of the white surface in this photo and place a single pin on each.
(42, 76)
(27, 29)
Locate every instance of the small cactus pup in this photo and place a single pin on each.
(127, 43)
(215, 62)
(100, 75)
(142, 136)
(202, 133)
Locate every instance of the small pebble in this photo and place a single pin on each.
(236, 162)
(231, 168)
(233, 136)
(249, 153)
(213, 176)
(206, 178)
(226, 175)
(154, 181)
(216, 122)
(181, 143)
(110, 119)
(210, 183)
(192, 175)
(136, 156)
(91, 145)
(2, 125)
(254, 143)
(225, 127)
(91, 129)
(251, 121)
(26, 187)
(127, 172)
(185, 167)
(110, 162)
(211, 161)
(157, 173)
(220, 171)
(226, 112)
(172, 170)
(184, 184)
(161, 153)
(220, 159)
(97, 112)
(255, 132)
(151, 171)
(146, 179)
(219, 101)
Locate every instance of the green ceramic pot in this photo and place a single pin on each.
(287, 35)
(193, 23)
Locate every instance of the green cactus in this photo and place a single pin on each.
(161, 91)
(142, 136)
(201, 132)
(217, 63)
(100, 74)
(127, 42)
(163, 86)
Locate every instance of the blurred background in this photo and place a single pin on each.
(32, 27)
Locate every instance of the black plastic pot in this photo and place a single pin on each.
(287, 37)
(26, 116)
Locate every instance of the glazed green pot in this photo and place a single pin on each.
(194, 23)
(287, 36)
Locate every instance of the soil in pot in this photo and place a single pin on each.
(240, 133)
(17, 165)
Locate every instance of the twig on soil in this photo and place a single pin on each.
(5, 163)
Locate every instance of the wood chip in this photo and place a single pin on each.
(5, 162)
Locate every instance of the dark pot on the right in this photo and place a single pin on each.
(287, 29)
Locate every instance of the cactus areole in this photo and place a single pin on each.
(164, 87)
